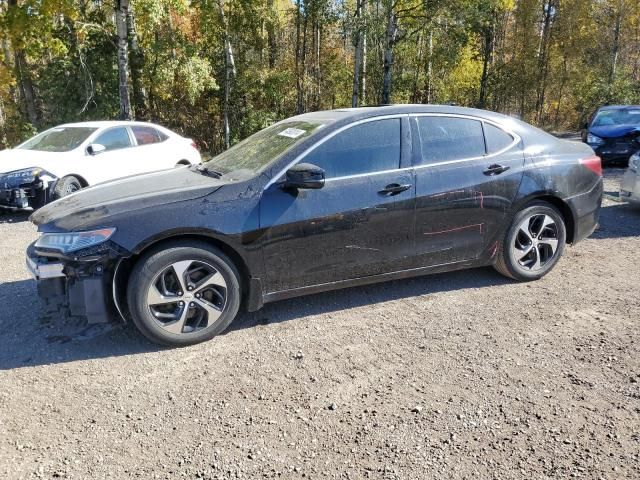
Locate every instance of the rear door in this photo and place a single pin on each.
(152, 151)
(468, 172)
(360, 224)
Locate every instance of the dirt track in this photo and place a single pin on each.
(462, 375)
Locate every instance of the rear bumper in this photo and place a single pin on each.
(630, 187)
(586, 211)
(81, 290)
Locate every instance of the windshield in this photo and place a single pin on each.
(61, 139)
(259, 150)
(630, 116)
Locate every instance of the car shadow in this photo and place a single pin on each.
(10, 216)
(618, 220)
(354, 297)
(30, 338)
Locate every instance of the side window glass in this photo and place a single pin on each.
(114, 139)
(145, 135)
(448, 138)
(497, 139)
(366, 148)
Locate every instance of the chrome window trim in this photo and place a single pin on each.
(516, 137)
(330, 136)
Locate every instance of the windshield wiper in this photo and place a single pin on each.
(208, 171)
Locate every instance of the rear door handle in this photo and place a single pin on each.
(496, 169)
(394, 189)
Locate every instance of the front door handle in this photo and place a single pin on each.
(394, 189)
(496, 169)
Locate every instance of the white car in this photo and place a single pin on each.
(70, 157)
(630, 185)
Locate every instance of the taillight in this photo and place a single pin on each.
(594, 164)
(193, 144)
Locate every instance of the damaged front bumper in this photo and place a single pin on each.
(76, 287)
(35, 195)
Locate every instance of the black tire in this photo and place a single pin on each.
(511, 267)
(66, 186)
(157, 261)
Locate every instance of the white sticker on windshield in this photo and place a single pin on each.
(292, 133)
(634, 112)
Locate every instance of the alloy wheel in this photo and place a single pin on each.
(536, 242)
(187, 297)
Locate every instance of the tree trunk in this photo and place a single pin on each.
(26, 88)
(357, 61)
(229, 70)
(548, 10)
(615, 51)
(363, 95)
(299, 101)
(122, 7)
(487, 53)
(136, 57)
(428, 89)
(390, 38)
(271, 35)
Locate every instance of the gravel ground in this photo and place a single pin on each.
(461, 375)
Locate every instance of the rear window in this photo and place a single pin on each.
(60, 139)
(147, 135)
(496, 138)
(445, 139)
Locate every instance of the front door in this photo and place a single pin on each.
(115, 161)
(359, 224)
(467, 176)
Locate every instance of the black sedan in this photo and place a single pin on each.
(321, 201)
(614, 133)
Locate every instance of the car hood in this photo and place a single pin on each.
(614, 131)
(95, 205)
(18, 159)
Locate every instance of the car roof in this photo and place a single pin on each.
(346, 114)
(106, 123)
(618, 107)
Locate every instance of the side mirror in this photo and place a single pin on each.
(95, 149)
(305, 176)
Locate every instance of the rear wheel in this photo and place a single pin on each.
(533, 244)
(184, 293)
(66, 186)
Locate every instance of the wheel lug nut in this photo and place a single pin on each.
(197, 295)
(180, 294)
(192, 304)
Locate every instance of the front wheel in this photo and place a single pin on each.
(533, 244)
(184, 293)
(66, 186)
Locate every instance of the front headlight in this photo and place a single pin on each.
(74, 241)
(634, 162)
(594, 139)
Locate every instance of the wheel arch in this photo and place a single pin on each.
(184, 162)
(81, 179)
(568, 214)
(125, 266)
